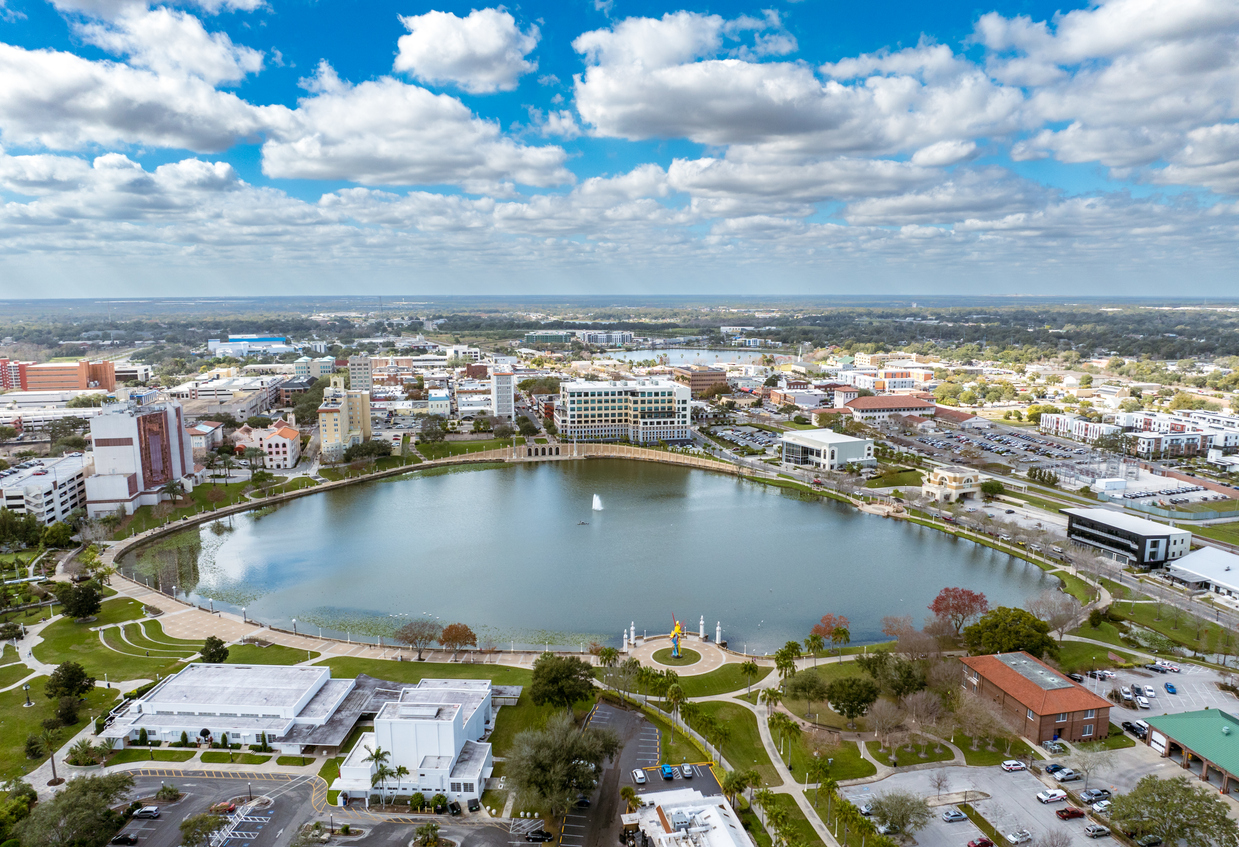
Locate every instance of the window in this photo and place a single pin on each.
(1062, 718)
(468, 787)
(1088, 730)
(1090, 714)
(1030, 715)
(455, 787)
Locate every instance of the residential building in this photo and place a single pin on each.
(1126, 538)
(13, 374)
(951, 484)
(291, 389)
(205, 436)
(698, 378)
(301, 367)
(642, 410)
(876, 360)
(1037, 701)
(880, 408)
(343, 419)
(503, 392)
(1207, 569)
(1076, 427)
(825, 448)
(1204, 743)
(361, 372)
(140, 446)
(605, 338)
(281, 447)
(684, 817)
(61, 376)
(49, 489)
(886, 380)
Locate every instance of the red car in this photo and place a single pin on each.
(981, 842)
(1068, 812)
(224, 808)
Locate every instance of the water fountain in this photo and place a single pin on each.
(597, 503)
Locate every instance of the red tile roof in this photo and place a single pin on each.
(947, 413)
(1043, 701)
(879, 403)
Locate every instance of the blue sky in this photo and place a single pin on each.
(595, 147)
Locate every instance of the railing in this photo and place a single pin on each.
(1173, 514)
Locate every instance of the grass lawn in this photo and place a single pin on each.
(525, 715)
(743, 749)
(1117, 739)
(330, 474)
(145, 754)
(274, 654)
(329, 773)
(67, 640)
(983, 757)
(982, 824)
(752, 825)
(1121, 592)
(907, 757)
(822, 713)
(410, 672)
(202, 498)
(903, 479)
(1220, 531)
(443, 449)
(221, 757)
(12, 673)
(1174, 624)
(152, 632)
(675, 746)
(9, 654)
(687, 657)
(720, 681)
(1075, 586)
(294, 761)
(847, 764)
(117, 611)
(1076, 657)
(803, 831)
(1107, 632)
(19, 722)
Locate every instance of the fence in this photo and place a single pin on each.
(1172, 514)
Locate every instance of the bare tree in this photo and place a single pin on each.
(1058, 609)
(945, 676)
(1057, 837)
(1091, 760)
(420, 634)
(884, 717)
(939, 780)
(923, 707)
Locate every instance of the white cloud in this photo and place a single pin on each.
(482, 53)
(944, 153)
(172, 43)
(388, 132)
(555, 124)
(110, 9)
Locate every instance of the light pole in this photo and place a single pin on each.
(243, 618)
(26, 688)
(211, 600)
(294, 626)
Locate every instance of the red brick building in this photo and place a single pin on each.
(1037, 701)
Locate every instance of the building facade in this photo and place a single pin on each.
(642, 411)
(699, 378)
(61, 376)
(49, 489)
(1076, 427)
(1037, 701)
(360, 372)
(140, 446)
(281, 447)
(950, 485)
(826, 449)
(1127, 538)
(877, 409)
(343, 419)
(503, 392)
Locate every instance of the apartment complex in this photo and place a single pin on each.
(699, 378)
(642, 410)
(307, 368)
(1037, 701)
(1127, 538)
(547, 336)
(49, 489)
(360, 372)
(826, 449)
(140, 446)
(13, 374)
(69, 376)
(343, 419)
(503, 392)
(1076, 427)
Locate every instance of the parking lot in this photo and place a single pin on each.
(747, 436)
(1195, 687)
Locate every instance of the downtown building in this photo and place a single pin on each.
(49, 489)
(140, 446)
(343, 419)
(1126, 538)
(642, 411)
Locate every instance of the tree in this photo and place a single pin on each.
(560, 680)
(68, 680)
(829, 624)
(79, 600)
(675, 699)
(174, 489)
(815, 643)
(197, 830)
(852, 696)
(1057, 609)
(431, 430)
(214, 651)
(548, 767)
(808, 687)
(1180, 810)
(80, 815)
(58, 534)
(750, 669)
(1090, 760)
(457, 636)
(372, 449)
(902, 811)
(427, 834)
(253, 457)
(993, 488)
(419, 634)
(959, 605)
(884, 718)
(1006, 630)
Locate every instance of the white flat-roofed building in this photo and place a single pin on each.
(1207, 569)
(684, 817)
(503, 392)
(1127, 538)
(951, 484)
(641, 410)
(825, 448)
(49, 489)
(139, 447)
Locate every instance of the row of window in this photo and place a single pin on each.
(461, 787)
(1061, 717)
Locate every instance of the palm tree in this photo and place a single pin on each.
(608, 657)
(734, 782)
(784, 663)
(48, 738)
(252, 454)
(818, 771)
(784, 726)
(400, 773)
(814, 644)
(629, 795)
(646, 677)
(227, 462)
(675, 699)
(772, 697)
(211, 462)
(174, 490)
(841, 637)
(764, 800)
(427, 834)
(379, 778)
(750, 669)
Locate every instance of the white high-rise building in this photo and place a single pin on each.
(641, 410)
(503, 392)
(360, 373)
(139, 448)
(49, 489)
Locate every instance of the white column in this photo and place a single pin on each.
(701, 628)
(718, 632)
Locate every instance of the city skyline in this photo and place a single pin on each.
(234, 147)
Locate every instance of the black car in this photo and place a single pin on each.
(582, 802)
(1155, 668)
(1128, 726)
(125, 838)
(538, 835)
(1075, 676)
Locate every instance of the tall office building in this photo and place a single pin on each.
(139, 448)
(641, 410)
(343, 419)
(503, 392)
(360, 373)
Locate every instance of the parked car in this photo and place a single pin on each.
(1095, 794)
(667, 771)
(1125, 692)
(981, 842)
(638, 776)
(538, 835)
(1054, 767)
(1076, 677)
(687, 770)
(1170, 689)
(1052, 795)
(1149, 691)
(1020, 836)
(953, 815)
(1096, 830)
(1012, 765)
(1066, 775)
(125, 838)
(866, 809)
(1102, 807)
(224, 808)
(1067, 813)
(1143, 702)
(147, 812)
(1128, 726)
(582, 802)
(1149, 841)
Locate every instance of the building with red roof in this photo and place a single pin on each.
(1037, 701)
(879, 408)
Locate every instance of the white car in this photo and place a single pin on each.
(1143, 702)
(1149, 691)
(638, 776)
(1052, 795)
(1020, 836)
(1012, 765)
(1102, 807)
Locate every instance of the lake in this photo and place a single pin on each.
(519, 554)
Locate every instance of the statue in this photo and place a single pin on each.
(677, 632)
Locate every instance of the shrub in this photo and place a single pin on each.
(143, 738)
(417, 801)
(67, 710)
(168, 792)
(1095, 618)
(34, 747)
(184, 738)
(344, 828)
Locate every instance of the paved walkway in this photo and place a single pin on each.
(712, 657)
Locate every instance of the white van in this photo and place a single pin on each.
(1142, 726)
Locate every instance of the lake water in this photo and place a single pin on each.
(694, 355)
(505, 550)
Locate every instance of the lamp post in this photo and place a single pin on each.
(294, 626)
(26, 688)
(243, 618)
(211, 600)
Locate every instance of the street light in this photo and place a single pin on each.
(211, 600)
(26, 688)
(294, 626)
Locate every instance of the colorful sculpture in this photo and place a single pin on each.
(677, 632)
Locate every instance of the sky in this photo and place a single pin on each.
(284, 147)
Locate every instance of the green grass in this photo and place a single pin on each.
(752, 825)
(675, 746)
(905, 757)
(982, 824)
(274, 654)
(1229, 505)
(117, 611)
(329, 773)
(144, 754)
(12, 673)
(720, 681)
(330, 474)
(1107, 632)
(687, 657)
(443, 449)
(411, 672)
(848, 763)
(1146, 614)
(1117, 739)
(822, 713)
(903, 479)
(984, 757)
(1075, 586)
(202, 498)
(9, 654)
(220, 757)
(802, 831)
(149, 633)
(1220, 531)
(1119, 591)
(743, 749)
(294, 761)
(512, 720)
(19, 722)
(65, 640)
